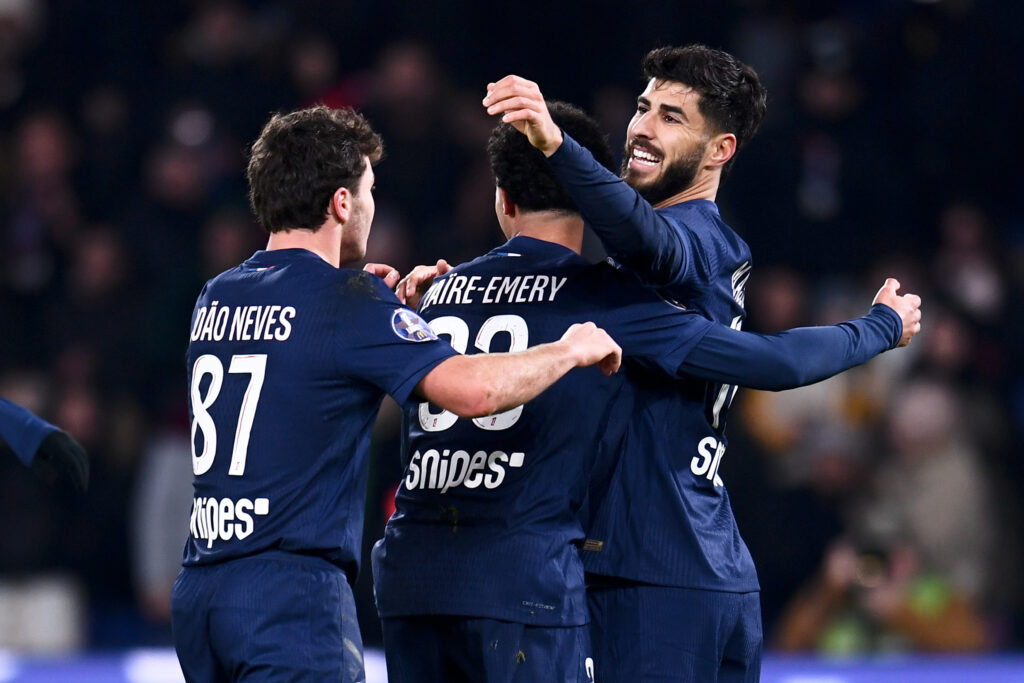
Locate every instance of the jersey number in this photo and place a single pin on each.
(253, 365)
(458, 332)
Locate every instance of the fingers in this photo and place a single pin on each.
(419, 279)
(592, 345)
(611, 363)
(384, 272)
(887, 293)
(509, 86)
(911, 317)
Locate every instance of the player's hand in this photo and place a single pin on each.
(593, 345)
(385, 272)
(60, 454)
(412, 288)
(908, 307)
(520, 103)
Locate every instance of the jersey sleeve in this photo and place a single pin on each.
(392, 347)
(22, 430)
(660, 251)
(795, 357)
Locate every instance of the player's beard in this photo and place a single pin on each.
(675, 177)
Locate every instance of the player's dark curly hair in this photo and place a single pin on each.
(301, 159)
(732, 98)
(521, 170)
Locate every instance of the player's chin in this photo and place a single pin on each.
(639, 179)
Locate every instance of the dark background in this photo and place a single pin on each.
(891, 147)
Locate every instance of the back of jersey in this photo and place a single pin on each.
(486, 517)
(288, 360)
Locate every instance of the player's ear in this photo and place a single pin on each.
(341, 204)
(507, 206)
(720, 149)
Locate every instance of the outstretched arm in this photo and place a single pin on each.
(805, 355)
(484, 384)
(631, 230)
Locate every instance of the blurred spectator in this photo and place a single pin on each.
(916, 568)
(161, 501)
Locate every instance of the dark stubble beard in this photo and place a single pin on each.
(676, 177)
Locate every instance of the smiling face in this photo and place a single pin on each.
(666, 141)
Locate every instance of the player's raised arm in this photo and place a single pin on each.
(805, 355)
(627, 224)
(483, 384)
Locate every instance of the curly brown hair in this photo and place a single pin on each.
(301, 159)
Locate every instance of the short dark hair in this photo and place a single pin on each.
(732, 98)
(521, 170)
(301, 159)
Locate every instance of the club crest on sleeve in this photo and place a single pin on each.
(410, 327)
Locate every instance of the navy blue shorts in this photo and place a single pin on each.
(271, 617)
(447, 649)
(657, 633)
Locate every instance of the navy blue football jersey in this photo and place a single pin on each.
(288, 361)
(665, 517)
(489, 511)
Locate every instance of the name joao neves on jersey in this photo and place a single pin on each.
(247, 323)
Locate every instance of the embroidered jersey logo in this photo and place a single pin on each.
(410, 327)
(589, 664)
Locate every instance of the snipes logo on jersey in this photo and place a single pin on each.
(445, 469)
(225, 519)
(410, 326)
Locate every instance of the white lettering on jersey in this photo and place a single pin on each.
(500, 289)
(708, 459)
(225, 519)
(442, 470)
(247, 323)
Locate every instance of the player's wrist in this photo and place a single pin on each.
(553, 142)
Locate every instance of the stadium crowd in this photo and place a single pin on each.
(880, 506)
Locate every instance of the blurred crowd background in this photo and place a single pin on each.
(881, 507)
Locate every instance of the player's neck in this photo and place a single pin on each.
(550, 226)
(325, 242)
(704, 186)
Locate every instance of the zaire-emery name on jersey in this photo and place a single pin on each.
(497, 289)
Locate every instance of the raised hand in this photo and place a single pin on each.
(907, 306)
(520, 103)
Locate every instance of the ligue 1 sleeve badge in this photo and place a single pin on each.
(410, 326)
